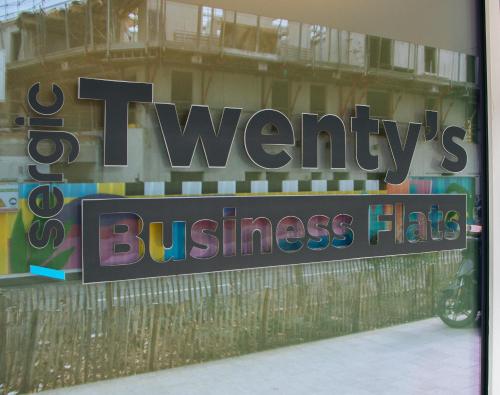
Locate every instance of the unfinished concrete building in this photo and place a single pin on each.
(196, 54)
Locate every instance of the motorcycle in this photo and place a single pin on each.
(458, 303)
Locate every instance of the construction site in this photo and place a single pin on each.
(196, 54)
(58, 334)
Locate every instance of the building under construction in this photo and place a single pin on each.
(196, 54)
(56, 334)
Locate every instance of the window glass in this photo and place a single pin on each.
(314, 57)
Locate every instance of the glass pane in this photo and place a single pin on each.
(417, 78)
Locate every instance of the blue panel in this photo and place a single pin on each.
(69, 190)
(25, 189)
(46, 272)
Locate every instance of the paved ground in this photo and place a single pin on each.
(424, 357)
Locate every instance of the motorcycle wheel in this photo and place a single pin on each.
(447, 309)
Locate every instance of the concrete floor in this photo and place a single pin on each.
(424, 357)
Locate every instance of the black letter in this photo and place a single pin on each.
(42, 177)
(199, 126)
(116, 96)
(363, 125)
(311, 128)
(431, 123)
(402, 155)
(36, 136)
(454, 149)
(44, 210)
(41, 109)
(49, 227)
(254, 139)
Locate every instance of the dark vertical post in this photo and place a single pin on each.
(158, 12)
(233, 36)
(91, 23)
(223, 31)
(210, 34)
(147, 25)
(198, 27)
(108, 27)
(329, 44)
(257, 40)
(300, 41)
(66, 26)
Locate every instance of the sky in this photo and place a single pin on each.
(10, 8)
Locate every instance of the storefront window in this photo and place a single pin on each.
(301, 60)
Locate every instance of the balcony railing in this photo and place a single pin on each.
(96, 26)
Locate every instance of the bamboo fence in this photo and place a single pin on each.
(61, 334)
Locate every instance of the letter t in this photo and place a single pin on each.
(363, 125)
(116, 95)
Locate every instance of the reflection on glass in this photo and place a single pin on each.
(198, 54)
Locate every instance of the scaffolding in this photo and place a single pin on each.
(102, 36)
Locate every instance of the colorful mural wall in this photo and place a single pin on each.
(16, 254)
